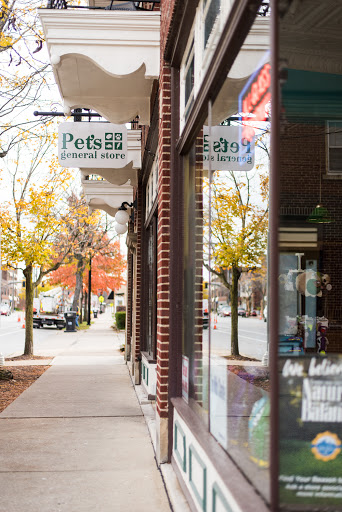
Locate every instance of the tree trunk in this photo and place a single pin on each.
(234, 311)
(79, 283)
(28, 351)
(81, 308)
(85, 306)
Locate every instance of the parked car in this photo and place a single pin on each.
(241, 312)
(5, 309)
(265, 314)
(254, 313)
(225, 311)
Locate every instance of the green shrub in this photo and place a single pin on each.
(120, 319)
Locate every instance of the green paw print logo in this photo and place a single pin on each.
(118, 141)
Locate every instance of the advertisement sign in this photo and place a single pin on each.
(310, 432)
(92, 145)
(218, 402)
(185, 378)
(229, 151)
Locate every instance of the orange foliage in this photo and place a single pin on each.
(106, 272)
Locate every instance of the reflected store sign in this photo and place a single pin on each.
(218, 402)
(185, 378)
(92, 145)
(310, 432)
(229, 152)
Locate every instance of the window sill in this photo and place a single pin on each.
(149, 358)
(329, 177)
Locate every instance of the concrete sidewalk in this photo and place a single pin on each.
(76, 440)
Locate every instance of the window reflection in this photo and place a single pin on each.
(225, 372)
(238, 153)
(310, 363)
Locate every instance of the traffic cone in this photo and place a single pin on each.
(23, 326)
(19, 319)
(215, 322)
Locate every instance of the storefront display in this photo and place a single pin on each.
(310, 314)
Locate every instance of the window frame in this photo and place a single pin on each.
(329, 171)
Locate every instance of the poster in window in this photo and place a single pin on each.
(310, 432)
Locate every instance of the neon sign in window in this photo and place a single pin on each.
(254, 99)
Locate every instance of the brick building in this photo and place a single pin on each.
(194, 80)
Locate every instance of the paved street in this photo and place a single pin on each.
(47, 341)
(252, 337)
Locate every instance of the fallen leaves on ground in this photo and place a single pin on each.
(23, 377)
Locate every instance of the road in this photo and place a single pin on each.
(46, 341)
(49, 341)
(252, 337)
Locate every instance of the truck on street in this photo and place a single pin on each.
(48, 309)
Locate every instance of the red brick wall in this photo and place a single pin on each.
(163, 241)
(139, 215)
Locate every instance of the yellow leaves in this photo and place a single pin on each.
(5, 41)
(239, 221)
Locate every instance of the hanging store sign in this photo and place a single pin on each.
(229, 152)
(310, 432)
(92, 145)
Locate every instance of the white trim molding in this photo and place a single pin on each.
(101, 195)
(104, 60)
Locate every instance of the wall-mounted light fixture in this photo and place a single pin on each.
(122, 217)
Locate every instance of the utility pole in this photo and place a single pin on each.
(89, 291)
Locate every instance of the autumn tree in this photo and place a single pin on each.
(33, 217)
(91, 234)
(106, 271)
(239, 223)
(25, 73)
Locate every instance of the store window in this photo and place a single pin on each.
(150, 274)
(187, 81)
(151, 189)
(225, 246)
(334, 137)
(310, 265)
(195, 360)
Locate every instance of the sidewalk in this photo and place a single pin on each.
(76, 440)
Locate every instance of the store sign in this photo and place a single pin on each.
(310, 431)
(92, 145)
(229, 152)
(185, 378)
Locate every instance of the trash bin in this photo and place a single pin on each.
(95, 314)
(70, 321)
